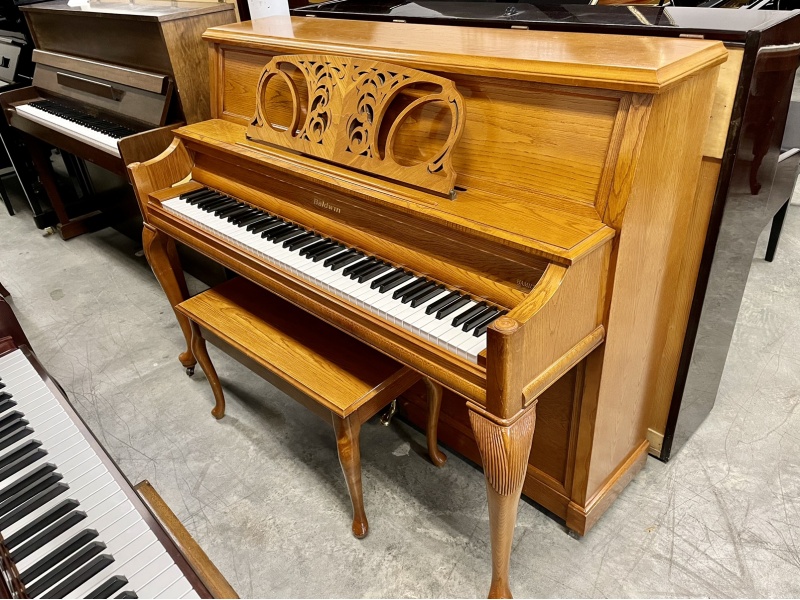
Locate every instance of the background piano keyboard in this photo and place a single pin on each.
(71, 525)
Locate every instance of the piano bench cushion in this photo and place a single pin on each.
(329, 367)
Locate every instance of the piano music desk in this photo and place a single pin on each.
(329, 372)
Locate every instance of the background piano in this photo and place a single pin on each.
(745, 135)
(71, 525)
(111, 97)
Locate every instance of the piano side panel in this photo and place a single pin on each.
(520, 137)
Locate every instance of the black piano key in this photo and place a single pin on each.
(213, 204)
(64, 571)
(43, 497)
(270, 231)
(481, 327)
(339, 261)
(115, 584)
(410, 288)
(423, 298)
(472, 322)
(442, 302)
(245, 217)
(362, 268)
(14, 437)
(31, 491)
(30, 478)
(10, 418)
(334, 250)
(341, 257)
(358, 266)
(264, 225)
(10, 457)
(131, 595)
(242, 210)
(226, 209)
(25, 455)
(289, 235)
(373, 272)
(278, 231)
(256, 218)
(468, 314)
(6, 403)
(386, 277)
(50, 560)
(408, 297)
(2, 385)
(390, 285)
(9, 426)
(322, 243)
(452, 307)
(45, 520)
(212, 197)
(48, 535)
(301, 242)
(192, 196)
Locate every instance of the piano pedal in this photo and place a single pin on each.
(386, 418)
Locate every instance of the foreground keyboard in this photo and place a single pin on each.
(448, 318)
(100, 133)
(67, 525)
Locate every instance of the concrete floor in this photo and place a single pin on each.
(262, 491)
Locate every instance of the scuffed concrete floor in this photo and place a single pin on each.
(262, 491)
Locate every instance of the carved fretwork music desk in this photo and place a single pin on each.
(541, 181)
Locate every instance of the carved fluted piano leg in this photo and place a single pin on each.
(504, 451)
(347, 441)
(434, 406)
(201, 354)
(163, 258)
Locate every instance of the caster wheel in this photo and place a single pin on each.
(190, 371)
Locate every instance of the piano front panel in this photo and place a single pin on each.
(520, 138)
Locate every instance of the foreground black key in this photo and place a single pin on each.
(211, 201)
(323, 249)
(6, 403)
(271, 232)
(468, 314)
(32, 529)
(362, 268)
(267, 225)
(442, 302)
(322, 243)
(31, 491)
(116, 583)
(390, 285)
(29, 479)
(481, 327)
(357, 265)
(373, 272)
(20, 458)
(453, 307)
(49, 561)
(386, 277)
(412, 287)
(472, 322)
(289, 235)
(63, 572)
(300, 242)
(15, 436)
(128, 595)
(337, 262)
(227, 209)
(241, 211)
(408, 298)
(14, 422)
(42, 498)
(48, 535)
(197, 195)
(332, 251)
(421, 299)
(256, 217)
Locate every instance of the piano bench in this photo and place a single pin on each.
(334, 375)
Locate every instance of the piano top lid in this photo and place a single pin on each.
(728, 25)
(615, 62)
(138, 10)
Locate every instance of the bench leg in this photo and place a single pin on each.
(775, 231)
(201, 354)
(434, 405)
(347, 442)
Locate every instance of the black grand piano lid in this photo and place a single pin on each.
(728, 25)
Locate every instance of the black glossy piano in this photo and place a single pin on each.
(747, 177)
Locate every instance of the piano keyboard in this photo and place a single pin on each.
(75, 123)
(448, 318)
(70, 529)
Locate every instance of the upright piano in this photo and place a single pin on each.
(743, 183)
(498, 210)
(111, 80)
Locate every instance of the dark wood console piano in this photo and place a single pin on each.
(71, 525)
(742, 186)
(111, 80)
(498, 210)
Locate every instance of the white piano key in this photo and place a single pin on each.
(159, 584)
(178, 589)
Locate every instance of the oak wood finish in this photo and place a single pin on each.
(208, 573)
(593, 239)
(336, 376)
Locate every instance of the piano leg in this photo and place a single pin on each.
(434, 405)
(347, 442)
(201, 354)
(504, 449)
(163, 258)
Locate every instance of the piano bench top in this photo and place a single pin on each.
(328, 366)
